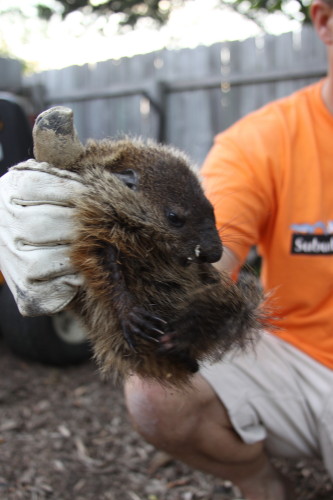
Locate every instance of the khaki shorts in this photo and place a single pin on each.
(275, 392)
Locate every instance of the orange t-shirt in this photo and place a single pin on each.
(270, 179)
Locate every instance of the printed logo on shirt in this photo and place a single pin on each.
(312, 239)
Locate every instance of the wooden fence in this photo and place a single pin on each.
(184, 97)
(10, 75)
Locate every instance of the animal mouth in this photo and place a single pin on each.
(201, 255)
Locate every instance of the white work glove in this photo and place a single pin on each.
(36, 229)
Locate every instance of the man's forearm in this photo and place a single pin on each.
(228, 262)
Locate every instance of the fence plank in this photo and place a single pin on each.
(10, 74)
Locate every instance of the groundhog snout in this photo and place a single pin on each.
(210, 253)
(206, 251)
(209, 248)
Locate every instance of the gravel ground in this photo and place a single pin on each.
(65, 435)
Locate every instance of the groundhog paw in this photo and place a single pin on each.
(142, 324)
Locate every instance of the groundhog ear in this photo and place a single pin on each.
(129, 178)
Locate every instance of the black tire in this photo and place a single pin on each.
(35, 339)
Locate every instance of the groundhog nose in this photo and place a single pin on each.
(211, 255)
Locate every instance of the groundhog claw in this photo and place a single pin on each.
(140, 323)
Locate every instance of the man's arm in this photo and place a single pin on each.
(229, 261)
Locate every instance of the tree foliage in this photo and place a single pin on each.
(159, 10)
(132, 10)
(294, 9)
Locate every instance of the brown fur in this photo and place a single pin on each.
(147, 273)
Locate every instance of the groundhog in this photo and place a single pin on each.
(153, 302)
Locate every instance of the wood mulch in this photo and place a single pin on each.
(65, 435)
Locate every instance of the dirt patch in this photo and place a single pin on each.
(64, 435)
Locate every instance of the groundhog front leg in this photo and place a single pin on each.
(217, 318)
(135, 321)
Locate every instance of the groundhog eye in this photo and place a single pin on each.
(175, 220)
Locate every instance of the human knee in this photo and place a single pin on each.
(143, 402)
(163, 416)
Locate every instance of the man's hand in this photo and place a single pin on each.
(36, 230)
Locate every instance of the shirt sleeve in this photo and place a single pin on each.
(240, 179)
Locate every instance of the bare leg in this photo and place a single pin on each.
(194, 427)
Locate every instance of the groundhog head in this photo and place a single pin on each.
(161, 173)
